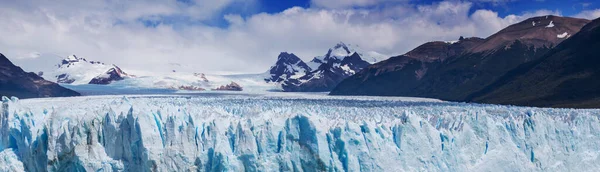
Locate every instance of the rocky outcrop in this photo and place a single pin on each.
(190, 88)
(16, 82)
(230, 87)
(112, 75)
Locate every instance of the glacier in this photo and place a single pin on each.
(291, 132)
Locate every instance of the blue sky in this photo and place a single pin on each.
(569, 7)
(225, 36)
(502, 7)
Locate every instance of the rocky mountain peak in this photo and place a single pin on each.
(113, 74)
(230, 87)
(287, 65)
(339, 51)
(285, 57)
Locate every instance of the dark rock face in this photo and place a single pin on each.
(230, 87)
(16, 82)
(455, 71)
(64, 78)
(113, 74)
(567, 76)
(286, 66)
(327, 76)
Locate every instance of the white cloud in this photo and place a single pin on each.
(589, 14)
(339, 4)
(110, 32)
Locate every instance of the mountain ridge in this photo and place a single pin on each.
(457, 76)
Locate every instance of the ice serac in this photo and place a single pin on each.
(249, 133)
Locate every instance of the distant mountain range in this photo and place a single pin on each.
(542, 61)
(472, 67)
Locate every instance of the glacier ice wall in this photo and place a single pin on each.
(254, 133)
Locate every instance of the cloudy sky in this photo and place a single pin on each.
(245, 36)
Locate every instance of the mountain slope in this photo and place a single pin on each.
(16, 82)
(405, 71)
(567, 76)
(461, 74)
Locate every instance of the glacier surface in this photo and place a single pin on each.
(291, 132)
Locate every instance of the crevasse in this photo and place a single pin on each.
(279, 133)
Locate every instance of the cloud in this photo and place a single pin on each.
(341, 4)
(589, 14)
(117, 32)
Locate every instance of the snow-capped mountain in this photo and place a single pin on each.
(327, 76)
(322, 73)
(288, 65)
(76, 70)
(338, 63)
(342, 50)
